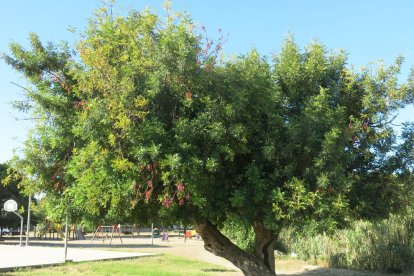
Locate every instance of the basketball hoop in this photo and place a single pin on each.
(10, 205)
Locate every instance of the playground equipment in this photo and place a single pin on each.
(189, 234)
(79, 234)
(56, 228)
(105, 230)
(128, 229)
(52, 229)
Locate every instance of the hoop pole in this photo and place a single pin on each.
(21, 227)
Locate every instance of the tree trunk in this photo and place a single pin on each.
(216, 243)
(265, 245)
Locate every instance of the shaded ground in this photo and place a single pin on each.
(191, 249)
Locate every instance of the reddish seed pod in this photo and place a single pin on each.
(189, 96)
(147, 195)
(167, 203)
(180, 187)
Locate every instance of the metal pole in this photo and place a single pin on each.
(21, 227)
(21, 231)
(152, 233)
(66, 237)
(28, 220)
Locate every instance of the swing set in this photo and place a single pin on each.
(104, 230)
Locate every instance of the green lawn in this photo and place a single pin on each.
(154, 265)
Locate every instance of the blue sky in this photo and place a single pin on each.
(369, 30)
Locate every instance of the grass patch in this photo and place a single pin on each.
(154, 265)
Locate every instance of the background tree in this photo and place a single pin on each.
(9, 189)
(152, 122)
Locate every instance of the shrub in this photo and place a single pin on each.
(385, 246)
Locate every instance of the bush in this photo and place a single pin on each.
(385, 246)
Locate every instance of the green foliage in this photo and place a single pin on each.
(49, 100)
(384, 246)
(240, 233)
(9, 189)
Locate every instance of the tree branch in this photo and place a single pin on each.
(22, 87)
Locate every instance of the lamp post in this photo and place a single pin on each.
(66, 237)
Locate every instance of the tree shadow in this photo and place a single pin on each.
(218, 270)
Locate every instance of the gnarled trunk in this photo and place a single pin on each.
(250, 264)
(265, 245)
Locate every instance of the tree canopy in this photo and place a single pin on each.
(143, 118)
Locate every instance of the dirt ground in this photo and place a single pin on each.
(191, 249)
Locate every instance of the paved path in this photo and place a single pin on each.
(13, 256)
